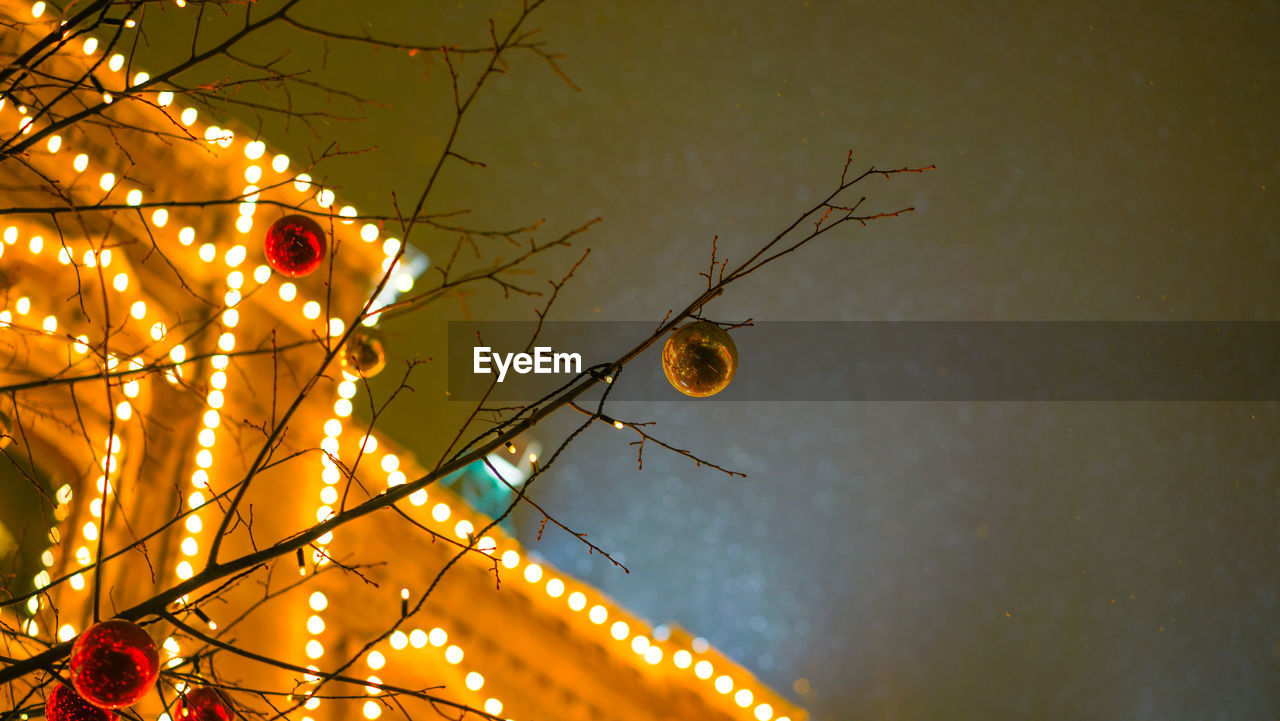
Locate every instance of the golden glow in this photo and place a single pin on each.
(318, 601)
(376, 660)
(453, 655)
(724, 684)
(742, 698)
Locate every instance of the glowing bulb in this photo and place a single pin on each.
(724, 684)
(165, 98)
(463, 529)
(440, 512)
(474, 681)
(314, 649)
(138, 310)
(134, 197)
(598, 614)
(742, 698)
(418, 497)
(107, 181)
(372, 710)
(653, 655)
(453, 655)
(254, 150)
(368, 232)
(280, 163)
(418, 638)
(398, 640)
(288, 291)
(437, 637)
(315, 625)
(187, 236)
(376, 660)
(532, 573)
(510, 559)
(555, 588)
(193, 524)
(302, 182)
(493, 707)
(640, 644)
(208, 252)
(311, 310)
(80, 163)
(577, 601)
(764, 712)
(185, 570)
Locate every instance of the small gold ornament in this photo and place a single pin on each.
(700, 359)
(365, 354)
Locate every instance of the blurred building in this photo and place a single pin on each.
(145, 350)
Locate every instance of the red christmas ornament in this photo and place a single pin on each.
(64, 704)
(114, 663)
(295, 245)
(203, 704)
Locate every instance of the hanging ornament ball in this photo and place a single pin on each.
(64, 704)
(295, 245)
(114, 663)
(365, 354)
(203, 704)
(700, 359)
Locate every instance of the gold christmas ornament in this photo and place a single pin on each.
(365, 354)
(700, 359)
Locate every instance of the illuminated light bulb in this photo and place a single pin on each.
(577, 601)
(398, 640)
(82, 344)
(333, 427)
(474, 681)
(555, 588)
(682, 658)
(158, 330)
(347, 389)
(50, 324)
(189, 546)
(115, 62)
(106, 258)
(533, 457)
(376, 660)
(372, 709)
(107, 181)
(437, 637)
(47, 558)
(95, 509)
(218, 380)
(36, 244)
(702, 669)
(226, 342)
(124, 411)
(288, 291)
(315, 625)
(418, 638)
(336, 326)
(440, 512)
(598, 614)
(463, 529)
(253, 173)
(214, 399)
(314, 649)
(89, 259)
(235, 255)
(178, 353)
(764, 712)
(453, 655)
(493, 707)
(532, 573)
(134, 197)
(165, 98)
(185, 570)
(231, 317)
(66, 632)
(160, 217)
(418, 497)
(348, 212)
(90, 46)
(64, 256)
(330, 475)
(212, 418)
(742, 698)
(208, 252)
(510, 559)
(311, 310)
(280, 163)
(724, 684)
(254, 150)
(90, 531)
(395, 478)
(232, 297)
(302, 182)
(312, 703)
(206, 437)
(195, 500)
(368, 232)
(225, 140)
(204, 459)
(23, 306)
(80, 162)
(329, 495)
(342, 408)
(141, 78)
(138, 310)
(330, 446)
(187, 236)
(324, 198)
(318, 601)
(11, 235)
(323, 513)
(390, 247)
(235, 279)
(244, 224)
(653, 655)
(37, 9)
(640, 644)
(390, 462)
(77, 582)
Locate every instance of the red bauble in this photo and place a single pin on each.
(114, 663)
(64, 704)
(295, 245)
(203, 704)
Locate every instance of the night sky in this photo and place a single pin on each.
(892, 560)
